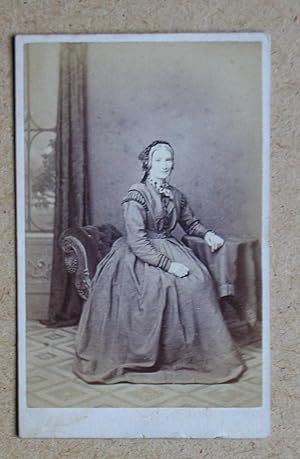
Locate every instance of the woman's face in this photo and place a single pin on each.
(161, 163)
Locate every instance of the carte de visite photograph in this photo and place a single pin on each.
(142, 168)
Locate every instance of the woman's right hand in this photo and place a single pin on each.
(178, 269)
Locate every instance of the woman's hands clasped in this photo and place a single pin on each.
(214, 241)
(178, 269)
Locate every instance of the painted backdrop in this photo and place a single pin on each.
(203, 98)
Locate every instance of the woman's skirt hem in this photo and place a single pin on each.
(163, 377)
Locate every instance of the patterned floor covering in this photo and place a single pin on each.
(51, 383)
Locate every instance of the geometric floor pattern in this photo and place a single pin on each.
(51, 383)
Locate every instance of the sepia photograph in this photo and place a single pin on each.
(142, 170)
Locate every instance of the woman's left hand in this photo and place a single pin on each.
(214, 241)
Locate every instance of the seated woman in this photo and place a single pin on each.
(153, 314)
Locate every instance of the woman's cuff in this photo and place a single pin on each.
(164, 262)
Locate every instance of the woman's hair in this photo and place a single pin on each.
(145, 155)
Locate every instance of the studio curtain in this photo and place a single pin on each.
(72, 178)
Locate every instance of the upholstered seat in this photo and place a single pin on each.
(83, 248)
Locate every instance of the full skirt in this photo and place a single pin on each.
(141, 324)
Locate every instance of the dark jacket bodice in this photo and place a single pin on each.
(149, 215)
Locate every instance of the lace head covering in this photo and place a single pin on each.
(146, 155)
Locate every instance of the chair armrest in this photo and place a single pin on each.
(83, 248)
(76, 264)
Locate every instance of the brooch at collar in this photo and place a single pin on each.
(163, 189)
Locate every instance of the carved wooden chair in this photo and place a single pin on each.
(83, 248)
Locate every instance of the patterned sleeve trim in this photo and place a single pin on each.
(190, 229)
(183, 202)
(164, 262)
(134, 195)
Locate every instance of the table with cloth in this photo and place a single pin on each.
(236, 270)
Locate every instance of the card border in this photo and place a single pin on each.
(141, 422)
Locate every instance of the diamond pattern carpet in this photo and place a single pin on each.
(51, 383)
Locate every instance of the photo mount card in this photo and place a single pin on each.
(142, 169)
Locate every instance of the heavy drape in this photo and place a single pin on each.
(72, 178)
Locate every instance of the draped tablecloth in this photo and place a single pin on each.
(236, 270)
